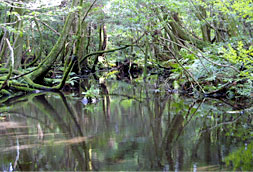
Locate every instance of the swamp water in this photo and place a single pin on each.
(125, 127)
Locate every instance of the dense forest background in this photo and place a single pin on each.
(163, 85)
(201, 47)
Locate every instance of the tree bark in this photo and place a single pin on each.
(178, 31)
(205, 29)
(45, 66)
(19, 40)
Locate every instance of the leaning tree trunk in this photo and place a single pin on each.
(176, 31)
(45, 66)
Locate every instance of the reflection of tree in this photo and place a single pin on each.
(205, 137)
(44, 106)
(155, 109)
(106, 101)
(148, 129)
(11, 105)
(169, 150)
(66, 123)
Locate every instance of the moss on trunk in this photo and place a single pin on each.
(39, 74)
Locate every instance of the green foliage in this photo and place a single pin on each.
(92, 92)
(241, 55)
(241, 8)
(72, 80)
(245, 89)
(126, 104)
(126, 21)
(212, 76)
(241, 159)
(186, 55)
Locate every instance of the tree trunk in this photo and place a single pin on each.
(102, 44)
(19, 40)
(178, 31)
(45, 66)
(205, 28)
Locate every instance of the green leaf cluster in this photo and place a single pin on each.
(241, 55)
(241, 159)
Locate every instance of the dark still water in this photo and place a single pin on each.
(123, 127)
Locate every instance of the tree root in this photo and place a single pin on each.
(25, 84)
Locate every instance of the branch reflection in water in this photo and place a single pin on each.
(131, 127)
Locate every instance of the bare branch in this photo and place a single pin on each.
(87, 12)
(45, 24)
(11, 50)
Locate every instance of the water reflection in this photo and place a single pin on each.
(131, 127)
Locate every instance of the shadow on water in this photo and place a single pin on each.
(130, 127)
